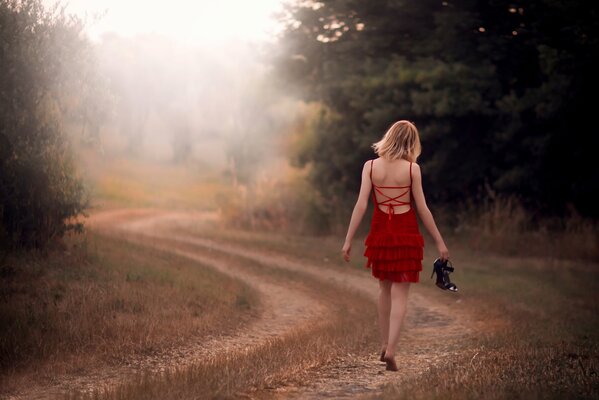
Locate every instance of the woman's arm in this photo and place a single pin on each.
(359, 210)
(425, 214)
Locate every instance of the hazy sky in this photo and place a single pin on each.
(191, 21)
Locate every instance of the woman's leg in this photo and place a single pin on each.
(384, 308)
(399, 302)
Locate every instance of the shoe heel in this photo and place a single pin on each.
(436, 268)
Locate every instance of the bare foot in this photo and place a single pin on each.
(390, 360)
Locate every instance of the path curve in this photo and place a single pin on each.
(434, 330)
(285, 310)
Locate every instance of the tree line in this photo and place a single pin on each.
(501, 91)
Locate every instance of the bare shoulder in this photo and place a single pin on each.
(365, 172)
(416, 169)
(367, 165)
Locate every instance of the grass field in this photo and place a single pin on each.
(550, 349)
(127, 182)
(282, 360)
(101, 301)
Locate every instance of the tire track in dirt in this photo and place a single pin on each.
(285, 308)
(434, 331)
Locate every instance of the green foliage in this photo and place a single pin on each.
(499, 91)
(39, 187)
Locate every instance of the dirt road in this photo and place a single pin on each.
(435, 329)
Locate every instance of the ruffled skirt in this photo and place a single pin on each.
(394, 247)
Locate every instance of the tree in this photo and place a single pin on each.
(41, 65)
(498, 90)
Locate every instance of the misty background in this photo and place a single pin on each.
(265, 111)
(177, 178)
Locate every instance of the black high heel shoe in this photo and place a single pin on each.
(443, 270)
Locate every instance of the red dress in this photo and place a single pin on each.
(394, 245)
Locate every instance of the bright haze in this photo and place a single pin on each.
(182, 84)
(187, 21)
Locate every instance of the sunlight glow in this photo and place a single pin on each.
(197, 22)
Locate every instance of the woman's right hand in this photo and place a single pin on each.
(346, 250)
(443, 251)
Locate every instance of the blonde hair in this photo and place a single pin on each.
(400, 141)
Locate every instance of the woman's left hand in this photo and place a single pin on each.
(443, 252)
(346, 250)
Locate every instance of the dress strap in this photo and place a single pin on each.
(376, 204)
(410, 176)
(371, 165)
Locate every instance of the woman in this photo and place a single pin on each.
(394, 245)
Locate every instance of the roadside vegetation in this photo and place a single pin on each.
(100, 301)
(349, 328)
(550, 347)
(549, 351)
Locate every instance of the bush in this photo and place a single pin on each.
(282, 205)
(42, 69)
(502, 224)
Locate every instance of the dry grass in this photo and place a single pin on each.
(550, 351)
(102, 301)
(552, 348)
(516, 364)
(127, 182)
(511, 371)
(286, 204)
(279, 361)
(503, 225)
(500, 224)
(316, 249)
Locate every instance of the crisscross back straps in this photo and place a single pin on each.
(390, 202)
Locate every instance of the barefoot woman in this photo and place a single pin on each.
(394, 245)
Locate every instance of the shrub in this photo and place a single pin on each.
(42, 69)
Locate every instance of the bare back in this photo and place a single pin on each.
(392, 182)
